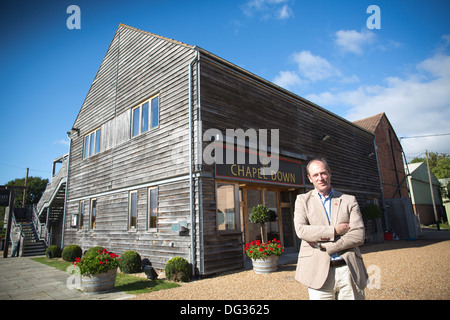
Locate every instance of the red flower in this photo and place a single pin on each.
(261, 249)
(101, 262)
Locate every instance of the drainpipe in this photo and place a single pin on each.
(191, 172)
(65, 193)
(199, 168)
(381, 185)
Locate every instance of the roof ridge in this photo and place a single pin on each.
(156, 35)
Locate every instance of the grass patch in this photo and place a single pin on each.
(124, 282)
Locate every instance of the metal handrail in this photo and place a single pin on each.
(41, 228)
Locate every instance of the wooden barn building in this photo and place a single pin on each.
(148, 167)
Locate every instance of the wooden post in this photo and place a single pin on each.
(25, 190)
(8, 225)
(432, 192)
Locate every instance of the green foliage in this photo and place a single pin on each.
(53, 252)
(130, 262)
(95, 262)
(93, 250)
(259, 214)
(71, 252)
(371, 212)
(35, 188)
(178, 269)
(439, 164)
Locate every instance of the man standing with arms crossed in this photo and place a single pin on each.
(331, 228)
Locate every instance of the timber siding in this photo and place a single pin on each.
(242, 100)
(139, 65)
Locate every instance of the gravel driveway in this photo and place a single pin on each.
(399, 270)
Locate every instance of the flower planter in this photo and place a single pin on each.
(265, 265)
(99, 283)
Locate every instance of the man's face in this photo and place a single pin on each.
(320, 177)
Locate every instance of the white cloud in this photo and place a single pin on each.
(415, 105)
(289, 80)
(313, 67)
(352, 41)
(268, 9)
(62, 142)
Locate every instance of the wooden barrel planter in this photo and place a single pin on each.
(265, 266)
(99, 283)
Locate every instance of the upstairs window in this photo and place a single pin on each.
(92, 143)
(145, 116)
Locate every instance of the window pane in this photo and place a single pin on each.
(86, 146)
(133, 210)
(144, 117)
(153, 208)
(91, 144)
(136, 121)
(81, 215)
(97, 140)
(93, 213)
(155, 112)
(226, 207)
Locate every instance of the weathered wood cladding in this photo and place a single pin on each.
(111, 229)
(233, 99)
(137, 66)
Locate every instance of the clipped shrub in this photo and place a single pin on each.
(130, 262)
(53, 252)
(71, 252)
(371, 212)
(94, 250)
(178, 269)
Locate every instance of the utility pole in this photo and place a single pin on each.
(432, 192)
(25, 190)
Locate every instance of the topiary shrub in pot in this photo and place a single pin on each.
(71, 252)
(95, 249)
(130, 262)
(178, 269)
(53, 252)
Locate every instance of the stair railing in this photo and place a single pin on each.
(17, 243)
(41, 228)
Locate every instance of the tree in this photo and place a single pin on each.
(35, 188)
(439, 164)
(260, 214)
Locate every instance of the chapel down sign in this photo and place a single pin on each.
(289, 171)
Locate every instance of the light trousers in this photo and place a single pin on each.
(338, 286)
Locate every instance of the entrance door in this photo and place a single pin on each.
(269, 198)
(287, 203)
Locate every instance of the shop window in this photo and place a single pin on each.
(227, 207)
(152, 209)
(133, 202)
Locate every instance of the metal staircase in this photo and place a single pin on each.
(32, 246)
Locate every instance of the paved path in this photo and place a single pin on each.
(24, 279)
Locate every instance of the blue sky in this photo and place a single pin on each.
(321, 50)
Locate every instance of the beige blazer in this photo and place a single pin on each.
(311, 225)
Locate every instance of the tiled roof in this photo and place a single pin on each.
(370, 123)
